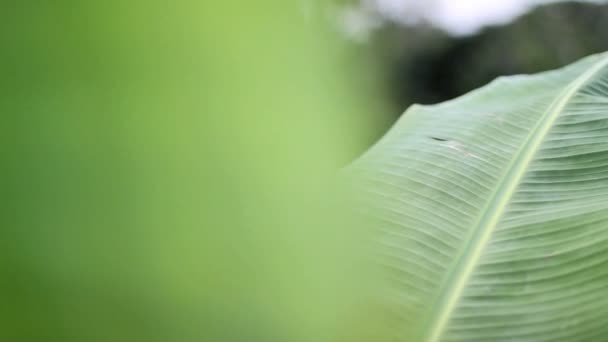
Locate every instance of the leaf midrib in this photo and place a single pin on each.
(452, 288)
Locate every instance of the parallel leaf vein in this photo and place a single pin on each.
(464, 265)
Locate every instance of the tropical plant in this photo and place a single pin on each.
(492, 211)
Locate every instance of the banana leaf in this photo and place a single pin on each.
(490, 211)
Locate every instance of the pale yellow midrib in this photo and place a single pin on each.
(502, 196)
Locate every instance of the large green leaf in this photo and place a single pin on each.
(492, 211)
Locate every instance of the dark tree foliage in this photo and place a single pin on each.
(424, 65)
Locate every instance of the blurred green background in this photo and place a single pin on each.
(169, 168)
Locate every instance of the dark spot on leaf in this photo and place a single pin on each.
(438, 139)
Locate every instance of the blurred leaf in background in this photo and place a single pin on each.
(167, 172)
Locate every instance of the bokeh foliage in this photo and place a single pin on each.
(422, 64)
(167, 171)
